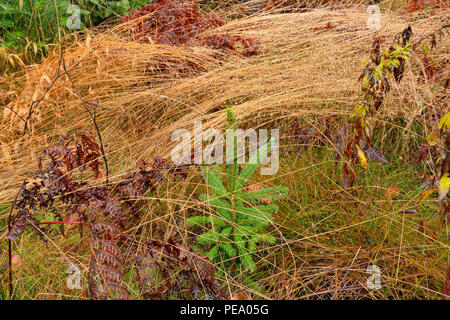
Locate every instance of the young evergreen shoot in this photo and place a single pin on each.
(241, 215)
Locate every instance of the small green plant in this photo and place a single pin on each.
(438, 144)
(357, 145)
(242, 215)
(28, 29)
(95, 12)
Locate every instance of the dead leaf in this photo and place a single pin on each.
(16, 260)
(240, 296)
(101, 176)
(444, 186)
(426, 194)
(362, 158)
(432, 139)
(392, 192)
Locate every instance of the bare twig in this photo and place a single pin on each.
(91, 114)
(10, 279)
(13, 111)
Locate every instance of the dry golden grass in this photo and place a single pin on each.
(304, 69)
(308, 67)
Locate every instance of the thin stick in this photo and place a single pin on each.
(92, 115)
(10, 279)
(13, 111)
(63, 222)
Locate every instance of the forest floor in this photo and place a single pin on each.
(292, 70)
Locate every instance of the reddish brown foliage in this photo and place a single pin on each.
(318, 133)
(446, 290)
(372, 153)
(414, 5)
(156, 260)
(433, 71)
(106, 211)
(174, 23)
(107, 263)
(424, 151)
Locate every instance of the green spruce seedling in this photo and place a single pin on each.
(241, 217)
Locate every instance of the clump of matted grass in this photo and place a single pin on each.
(308, 66)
